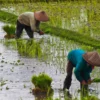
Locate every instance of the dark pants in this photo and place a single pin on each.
(19, 29)
(68, 79)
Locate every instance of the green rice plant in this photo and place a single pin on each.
(47, 31)
(87, 48)
(42, 81)
(8, 17)
(29, 48)
(70, 35)
(90, 98)
(96, 80)
(10, 31)
(10, 43)
(59, 10)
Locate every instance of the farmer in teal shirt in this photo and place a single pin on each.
(84, 63)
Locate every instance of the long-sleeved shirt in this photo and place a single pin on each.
(82, 68)
(28, 19)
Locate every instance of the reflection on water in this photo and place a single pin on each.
(17, 76)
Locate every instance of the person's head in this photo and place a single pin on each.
(41, 16)
(92, 58)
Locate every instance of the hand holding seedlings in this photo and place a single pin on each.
(84, 63)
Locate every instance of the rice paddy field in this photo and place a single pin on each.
(74, 24)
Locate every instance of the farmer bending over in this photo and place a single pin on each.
(84, 63)
(30, 21)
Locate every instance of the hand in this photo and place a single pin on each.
(83, 83)
(41, 32)
(89, 81)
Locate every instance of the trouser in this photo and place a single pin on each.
(68, 79)
(19, 29)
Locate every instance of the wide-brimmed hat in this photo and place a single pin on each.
(92, 58)
(41, 16)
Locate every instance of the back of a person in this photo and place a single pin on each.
(27, 14)
(26, 17)
(75, 56)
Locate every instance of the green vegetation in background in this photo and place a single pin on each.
(63, 33)
(8, 17)
(71, 35)
(20, 1)
(64, 13)
(76, 15)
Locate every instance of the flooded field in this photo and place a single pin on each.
(16, 71)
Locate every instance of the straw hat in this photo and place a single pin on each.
(41, 16)
(92, 58)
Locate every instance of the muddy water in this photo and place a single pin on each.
(16, 79)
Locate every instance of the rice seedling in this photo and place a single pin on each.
(42, 83)
(10, 43)
(97, 80)
(10, 31)
(64, 15)
(29, 48)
